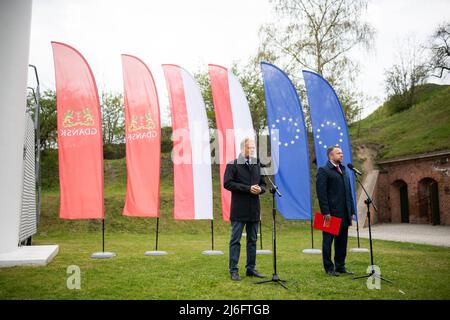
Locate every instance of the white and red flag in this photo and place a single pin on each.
(191, 154)
(80, 144)
(143, 139)
(233, 119)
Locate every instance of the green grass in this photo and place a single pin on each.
(420, 271)
(425, 127)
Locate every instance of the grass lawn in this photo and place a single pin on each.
(420, 271)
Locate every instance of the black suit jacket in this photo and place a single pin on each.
(334, 193)
(238, 179)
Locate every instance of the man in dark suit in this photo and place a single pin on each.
(335, 199)
(242, 177)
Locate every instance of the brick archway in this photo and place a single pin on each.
(428, 190)
(399, 201)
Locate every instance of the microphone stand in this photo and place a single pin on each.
(275, 277)
(369, 202)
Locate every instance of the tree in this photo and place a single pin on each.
(202, 78)
(47, 117)
(318, 35)
(250, 79)
(249, 76)
(440, 51)
(113, 121)
(405, 75)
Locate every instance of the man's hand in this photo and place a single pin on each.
(255, 189)
(327, 217)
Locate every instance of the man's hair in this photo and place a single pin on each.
(330, 149)
(244, 141)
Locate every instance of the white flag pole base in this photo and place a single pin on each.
(155, 253)
(212, 252)
(312, 251)
(359, 250)
(263, 252)
(103, 255)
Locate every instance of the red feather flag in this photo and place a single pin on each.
(80, 144)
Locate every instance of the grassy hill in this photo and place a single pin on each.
(425, 127)
(115, 190)
(422, 128)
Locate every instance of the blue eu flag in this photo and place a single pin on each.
(328, 122)
(289, 144)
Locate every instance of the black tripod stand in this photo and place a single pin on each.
(275, 277)
(369, 202)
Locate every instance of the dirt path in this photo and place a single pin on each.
(367, 155)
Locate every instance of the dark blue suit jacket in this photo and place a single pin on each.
(334, 193)
(238, 178)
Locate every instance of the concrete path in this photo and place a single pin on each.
(404, 232)
(368, 155)
(370, 182)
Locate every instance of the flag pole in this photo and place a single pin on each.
(312, 250)
(212, 252)
(359, 249)
(103, 254)
(212, 235)
(260, 234)
(103, 235)
(157, 234)
(357, 231)
(156, 252)
(261, 251)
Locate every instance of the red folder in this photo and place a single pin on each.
(332, 226)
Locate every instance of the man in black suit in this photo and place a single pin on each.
(242, 177)
(335, 199)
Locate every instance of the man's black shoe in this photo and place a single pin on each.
(345, 271)
(332, 273)
(254, 273)
(235, 276)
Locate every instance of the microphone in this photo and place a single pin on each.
(351, 167)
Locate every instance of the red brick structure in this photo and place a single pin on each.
(414, 189)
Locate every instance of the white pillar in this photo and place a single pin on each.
(15, 25)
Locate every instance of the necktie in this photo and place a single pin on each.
(338, 168)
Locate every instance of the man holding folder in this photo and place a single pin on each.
(335, 199)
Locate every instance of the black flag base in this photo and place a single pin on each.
(103, 254)
(274, 279)
(212, 252)
(359, 249)
(156, 252)
(312, 250)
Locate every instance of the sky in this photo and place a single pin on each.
(197, 32)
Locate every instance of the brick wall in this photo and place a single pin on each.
(417, 173)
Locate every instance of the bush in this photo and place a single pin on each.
(114, 151)
(49, 169)
(166, 141)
